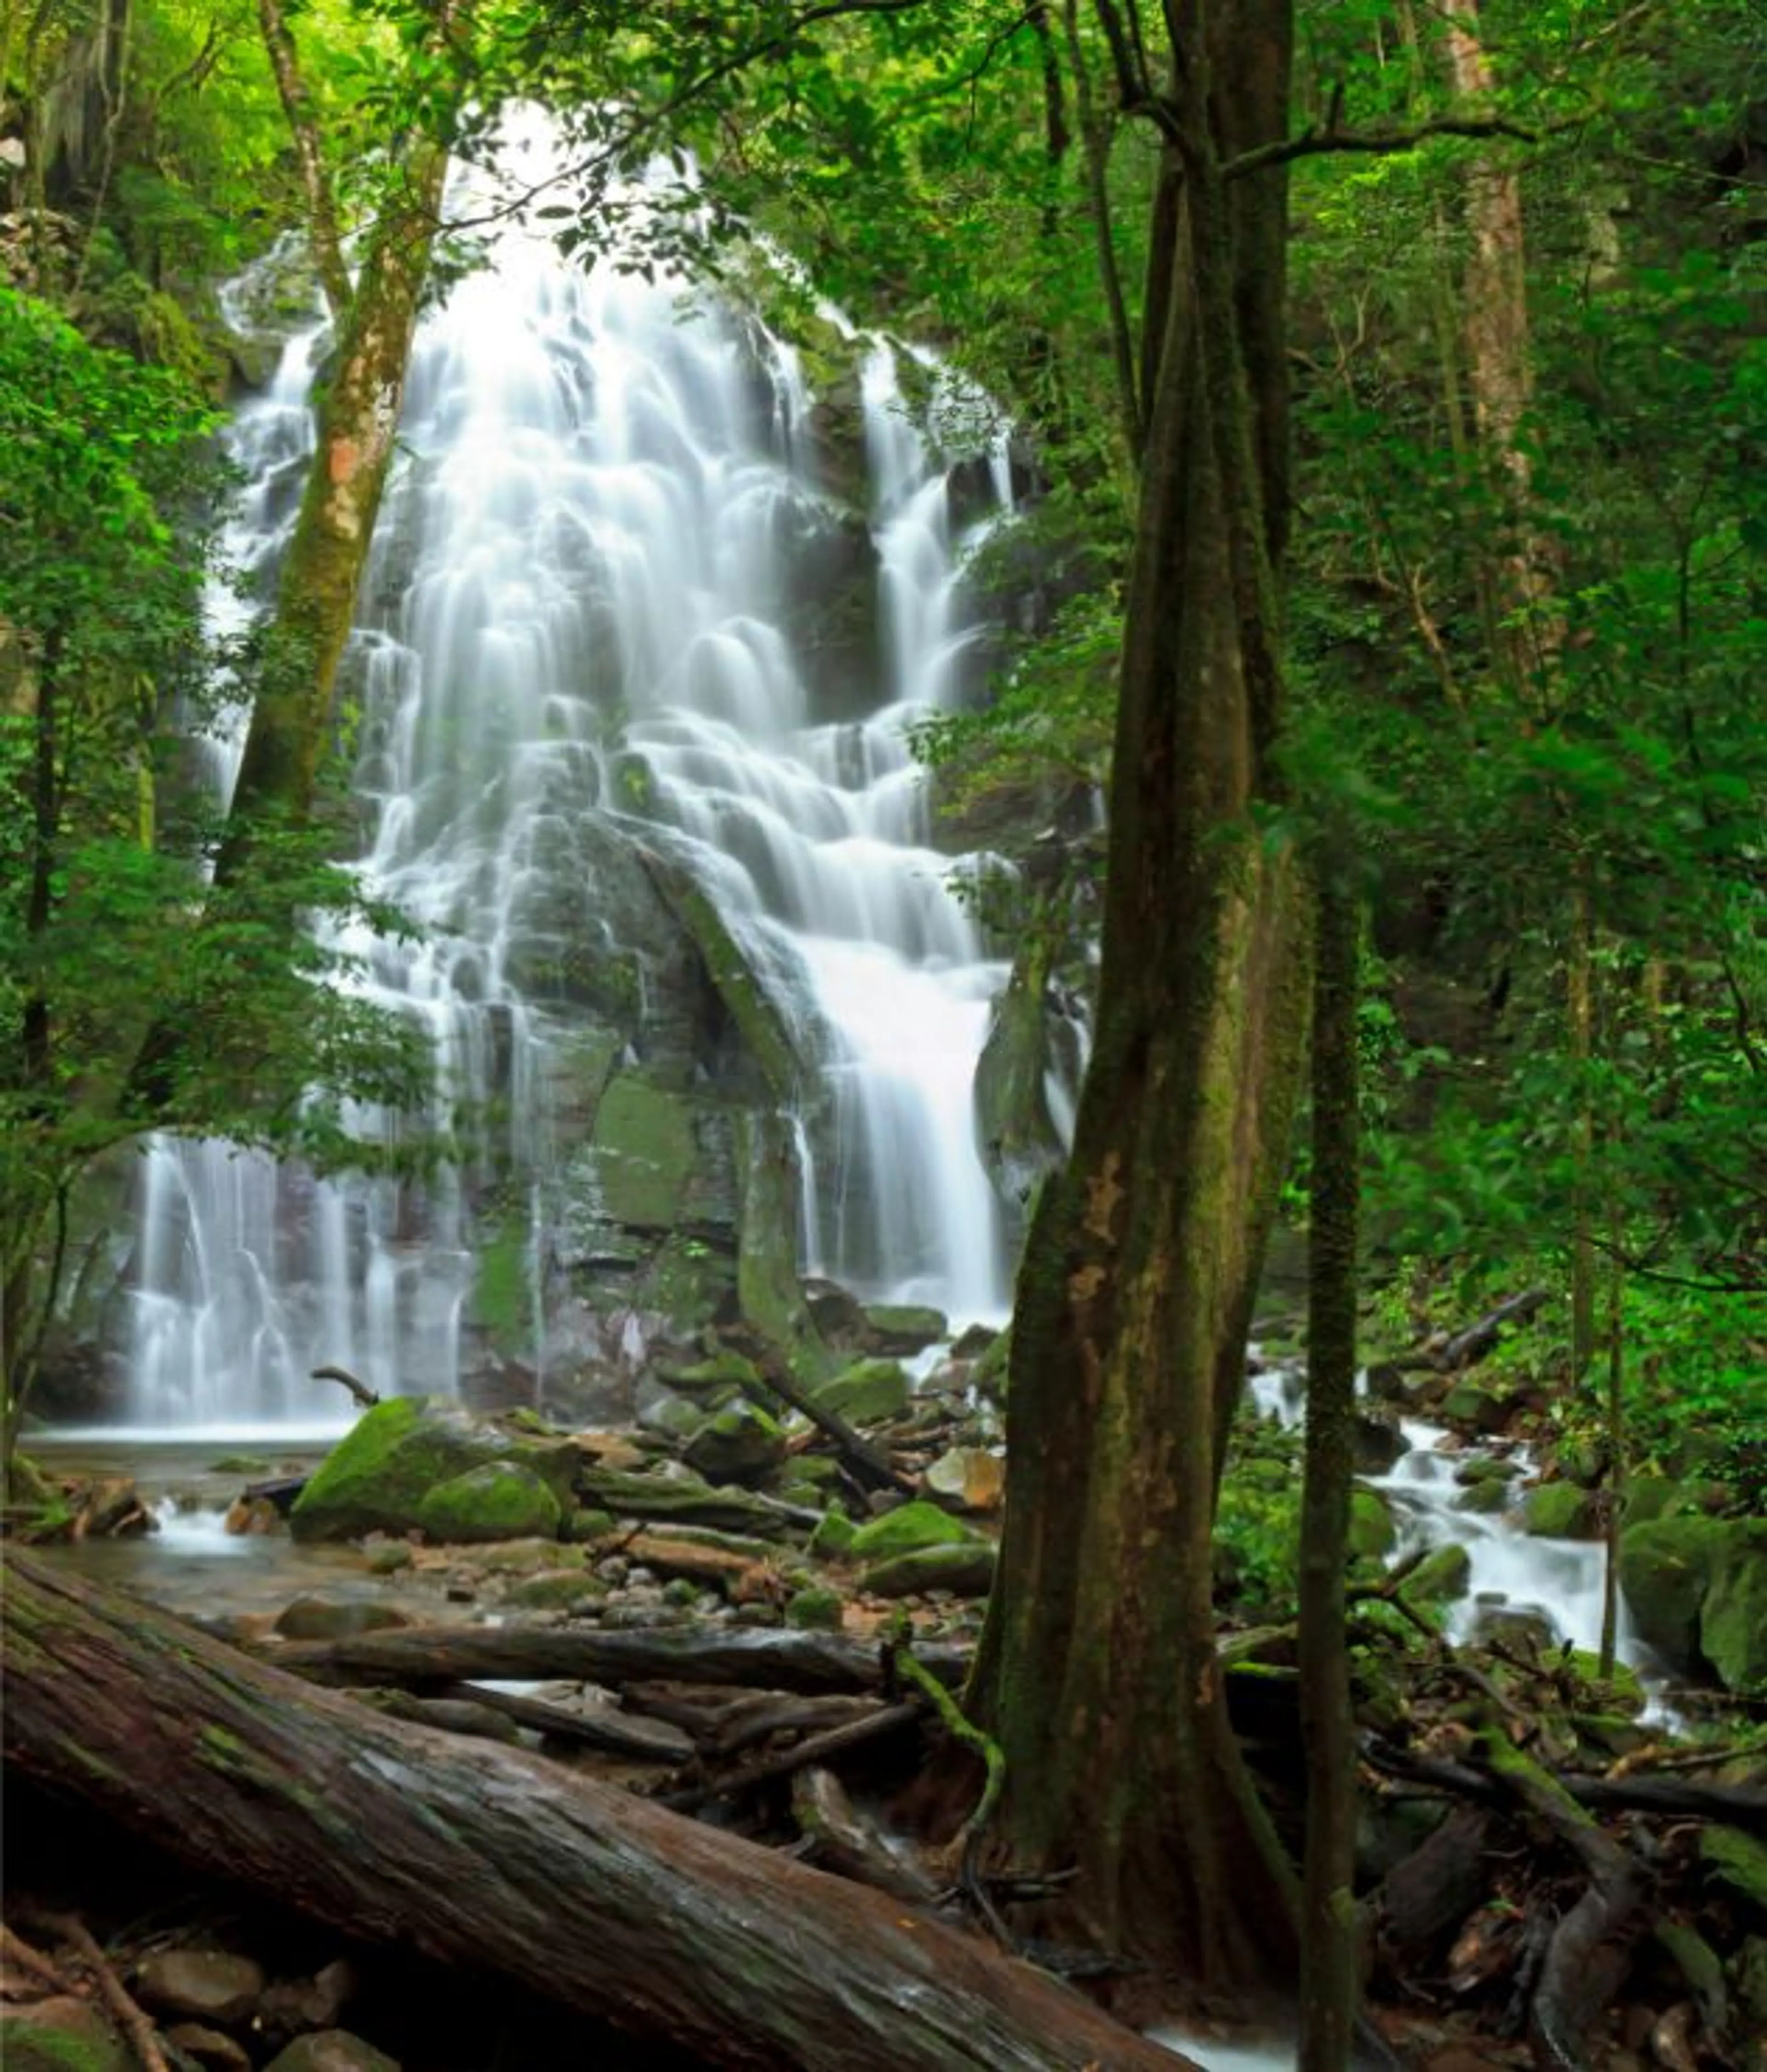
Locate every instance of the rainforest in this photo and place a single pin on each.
(882, 1163)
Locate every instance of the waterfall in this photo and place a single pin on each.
(583, 640)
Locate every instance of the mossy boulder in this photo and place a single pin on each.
(737, 1444)
(1485, 1499)
(61, 2034)
(967, 1572)
(1697, 1590)
(1444, 1575)
(1730, 1857)
(713, 1381)
(1665, 1569)
(501, 1500)
(896, 1329)
(1019, 1138)
(870, 1392)
(910, 1526)
(1733, 1617)
(377, 1479)
(1484, 1401)
(1372, 1532)
(1560, 1511)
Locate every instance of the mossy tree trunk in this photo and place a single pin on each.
(292, 717)
(1098, 1671)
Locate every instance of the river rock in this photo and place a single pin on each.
(331, 2051)
(60, 2034)
(713, 1382)
(210, 1985)
(897, 1329)
(210, 2049)
(498, 1500)
(1444, 1575)
(739, 1444)
(1697, 1590)
(1372, 1532)
(336, 1618)
(684, 1497)
(870, 1392)
(1377, 1442)
(377, 1478)
(1560, 1511)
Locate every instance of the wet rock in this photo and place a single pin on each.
(501, 1500)
(1485, 1499)
(335, 1618)
(208, 2048)
(377, 1478)
(210, 1985)
(973, 1343)
(1376, 1442)
(966, 1571)
(1019, 1138)
(60, 2034)
(714, 1382)
(833, 1538)
(870, 1392)
(292, 2005)
(331, 2051)
(1372, 1532)
(739, 1444)
(897, 1330)
(1516, 1626)
(1560, 1511)
(1729, 1857)
(1733, 1618)
(1440, 1577)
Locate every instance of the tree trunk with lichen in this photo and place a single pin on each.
(1098, 1671)
(292, 715)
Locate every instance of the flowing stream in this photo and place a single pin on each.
(605, 527)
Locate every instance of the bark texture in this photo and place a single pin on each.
(491, 1857)
(1098, 1671)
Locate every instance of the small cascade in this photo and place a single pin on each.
(579, 637)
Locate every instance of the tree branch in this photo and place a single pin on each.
(1313, 143)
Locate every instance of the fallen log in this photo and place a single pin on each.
(475, 1854)
(813, 1664)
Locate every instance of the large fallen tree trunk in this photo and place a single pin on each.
(497, 1859)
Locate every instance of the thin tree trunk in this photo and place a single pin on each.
(323, 233)
(493, 1858)
(1094, 142)
(1329, 1917)
(1097, 1671)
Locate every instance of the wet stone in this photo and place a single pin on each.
(211, 1985)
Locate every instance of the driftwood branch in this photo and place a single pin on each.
(365, 1397)
(488, 1856)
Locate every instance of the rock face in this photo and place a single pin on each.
(1697, 1590)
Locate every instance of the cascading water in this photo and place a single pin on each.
(587, 585)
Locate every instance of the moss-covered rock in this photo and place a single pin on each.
(644, 1150)
(1733, 1617)
(967, 1572)
(715, 1380)
(501, 1500)
(1697, 1590)
(833, 1538)
(377, 1477)
(1559, 1510)
(737, 1444)
(1372, 1532)
(1020, 1140)
(816, 1610)
(1444, 1575)
(870, 1392)
(1484, 1499)
(910, 1527)
(897, 1328)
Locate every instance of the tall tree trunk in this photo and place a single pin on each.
(292, 715)
(1328, 1930)
(322, 233)
(1098, 1671)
